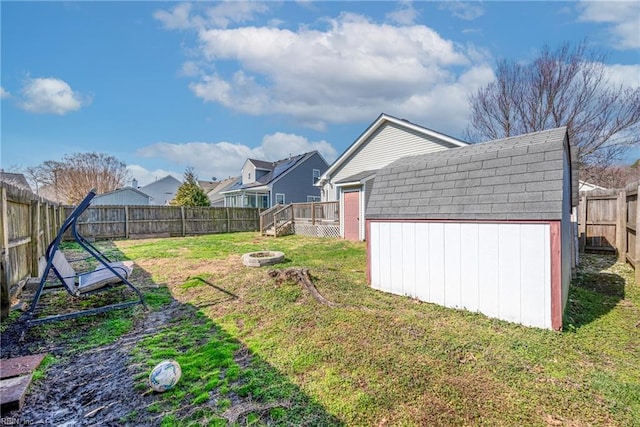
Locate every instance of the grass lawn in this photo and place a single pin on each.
(376, 358)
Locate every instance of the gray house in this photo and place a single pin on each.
(127, 196)
(485, 227)
(265, 184)
(162, 191)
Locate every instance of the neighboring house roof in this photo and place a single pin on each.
(208, 185)
(223, 185)
(121, 190)
(357, 178)
(377, 124)
(587, 186)
(513, 178)
(261, 164)
(16, 179)
(277, 170)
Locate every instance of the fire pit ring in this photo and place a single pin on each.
(260, 258)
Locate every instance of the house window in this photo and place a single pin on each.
(316, 175)
(248, 176)
(279, 199)
(264, 201)
(313, 199)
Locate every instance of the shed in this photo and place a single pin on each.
(486, 228)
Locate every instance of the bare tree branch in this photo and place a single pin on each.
(569, 87)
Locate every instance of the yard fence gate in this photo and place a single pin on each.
(608, 221)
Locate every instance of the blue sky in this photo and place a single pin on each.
(166, 85)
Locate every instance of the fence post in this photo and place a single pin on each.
(636, 251)
(313, 213)
(5, 274)
(582, 223)
(184, 223)
(228, 221)
(35, 237)
(126, 222)
(621, 226)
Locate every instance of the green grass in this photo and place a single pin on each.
(382, 358)
(376, 359)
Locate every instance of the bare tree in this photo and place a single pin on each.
(72, 177)
(569, 87)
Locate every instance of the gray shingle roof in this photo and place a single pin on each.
(513, 178)
(357, 177)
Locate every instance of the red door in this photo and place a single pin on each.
(352, 215)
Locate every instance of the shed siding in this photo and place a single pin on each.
(502, 270)
(386, 145)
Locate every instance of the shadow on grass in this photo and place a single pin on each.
(594, 292)
(99, 372)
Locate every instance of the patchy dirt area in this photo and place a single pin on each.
(95, 387)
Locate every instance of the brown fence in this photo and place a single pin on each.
(607, 223)
(28, 225)
(131, 222)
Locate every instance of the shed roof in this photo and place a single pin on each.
(513, 178)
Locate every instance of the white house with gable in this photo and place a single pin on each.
(348, 180)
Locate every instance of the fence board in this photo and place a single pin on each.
(27, 224)
(608, 221)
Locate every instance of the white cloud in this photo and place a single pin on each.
(223, 159)
(50, 95)
(622, 18)
(463, 10)
(624, 75)
(349, 71)
(145, 176)
(405, 14)
(4, 93)
(187, 16)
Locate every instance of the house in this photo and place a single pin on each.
(162, 191)
(216, 198)
(587, 186)
(265, 184)
(127, 196)
(15, 179)
(484, 227)
(349, 178)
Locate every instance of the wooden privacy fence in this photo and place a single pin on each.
(134, 222)
(28, 223)
(608, 221)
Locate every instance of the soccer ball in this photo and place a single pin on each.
(165, 375)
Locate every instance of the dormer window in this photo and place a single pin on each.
(316, 175)
(249, 176)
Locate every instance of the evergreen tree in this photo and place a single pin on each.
(190, 193)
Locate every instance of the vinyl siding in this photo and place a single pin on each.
(386, 145)
(121, 198)
(297, 183)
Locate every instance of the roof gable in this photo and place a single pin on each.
(167, 180)
(380, 122)
(513, 178)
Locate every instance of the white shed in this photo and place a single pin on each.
(486, 228)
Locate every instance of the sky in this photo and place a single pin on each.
(167, 85)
